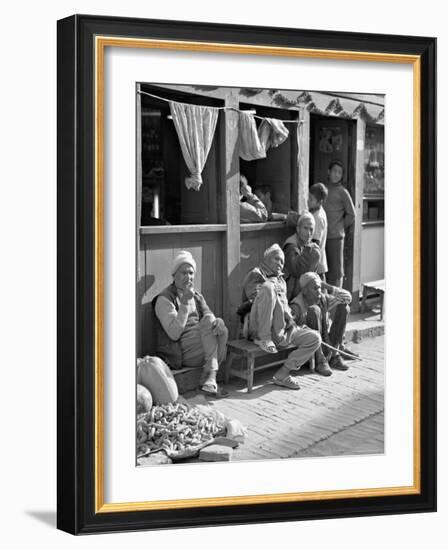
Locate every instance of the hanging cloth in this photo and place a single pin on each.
(250, 145)
(272, 133)
(254, 144)
(195, 127)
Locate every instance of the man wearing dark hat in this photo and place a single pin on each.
(188, 333)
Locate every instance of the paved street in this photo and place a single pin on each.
(339, 415)
(365, 437)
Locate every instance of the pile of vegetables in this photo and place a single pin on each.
(177, 429)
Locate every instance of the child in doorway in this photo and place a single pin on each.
(340, 215)
(317, 196)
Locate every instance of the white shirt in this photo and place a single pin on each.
(320, 234)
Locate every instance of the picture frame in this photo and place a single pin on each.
(82, 42)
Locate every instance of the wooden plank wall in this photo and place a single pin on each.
(158, 251)
(156, 256)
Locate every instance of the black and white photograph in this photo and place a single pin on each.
(204, 206)
(260, 283)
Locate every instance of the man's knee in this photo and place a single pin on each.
(308, 338)
(343, 309)
(315, 339)
(266, 294)
(207, 322)
(267, 288)
(224, 333)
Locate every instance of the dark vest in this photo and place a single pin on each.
(170, 350)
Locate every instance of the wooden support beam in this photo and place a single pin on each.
(303, 160)
(231, 200)
(358, 201)
(138, 210)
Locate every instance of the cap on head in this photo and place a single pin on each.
(306, 278)
(275, 248)
(183, 257)
(305, 216)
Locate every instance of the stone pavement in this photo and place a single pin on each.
(338, 415)
(365, 437)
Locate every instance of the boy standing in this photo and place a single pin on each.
(317, 196)
(340, 215)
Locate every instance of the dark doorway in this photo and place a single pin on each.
(334, 138)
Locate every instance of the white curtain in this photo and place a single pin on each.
(195, 126)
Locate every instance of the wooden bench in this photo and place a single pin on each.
(374, 287)
(249, 351)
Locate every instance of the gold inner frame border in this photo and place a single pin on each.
(100, 44)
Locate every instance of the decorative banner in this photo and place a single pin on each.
(335, 108)
(361, 112)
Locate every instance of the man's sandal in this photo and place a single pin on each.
(288, 382)
(213, 390)
(267, 346)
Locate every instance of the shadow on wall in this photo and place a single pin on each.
(145, 342)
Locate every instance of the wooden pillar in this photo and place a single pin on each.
(303, 160)
(231, 205)
(358, 201)
(138, 210)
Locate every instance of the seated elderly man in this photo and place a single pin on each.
(301, 254)
(271, 324)
(312, 306)
(188, 333)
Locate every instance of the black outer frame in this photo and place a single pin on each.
(75, 380)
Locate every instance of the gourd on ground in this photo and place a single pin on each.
(155, 375)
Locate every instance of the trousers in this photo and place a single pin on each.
(335, 258)
(267, 322)
(201, 348)
(315, 319)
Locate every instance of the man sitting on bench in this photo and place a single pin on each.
(271, 324)
(188, 333)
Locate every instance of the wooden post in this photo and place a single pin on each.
(303, 159)
(358, 201)
(138, 211)
(231, 200)
(294, 139)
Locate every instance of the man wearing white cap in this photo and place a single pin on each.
(188, 333)
(301, 254)
(312, 306)
(271, 323)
